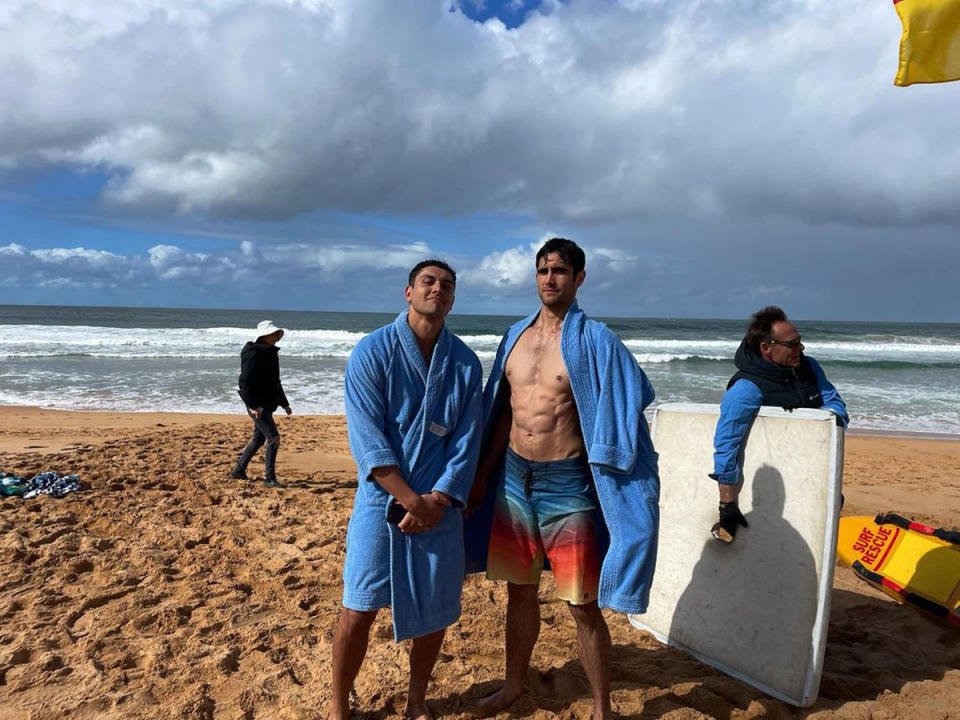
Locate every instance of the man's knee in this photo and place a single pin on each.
(588, 614)
(429, 639)
(274, 441)
(523, 593)
(352, 621)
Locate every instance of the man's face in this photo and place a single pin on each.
(556, 284)
(432, 292)
(784, 348)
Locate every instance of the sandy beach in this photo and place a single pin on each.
(170, 591)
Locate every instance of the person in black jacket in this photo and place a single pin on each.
(771, 370)
(262, 393)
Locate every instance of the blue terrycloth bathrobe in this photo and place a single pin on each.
(611, 392)
(426, 421)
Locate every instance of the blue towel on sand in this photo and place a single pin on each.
(425, 420)
(611, 392)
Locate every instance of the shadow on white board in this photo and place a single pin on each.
(757, 609)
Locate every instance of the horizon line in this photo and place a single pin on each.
(465, 314)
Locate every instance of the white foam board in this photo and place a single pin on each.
(757, 609)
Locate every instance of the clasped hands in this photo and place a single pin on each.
(424, 513)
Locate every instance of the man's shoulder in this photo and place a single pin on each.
(522, 324)
(599, 329)
(745, 390)
(601, 335)
(376, 342)
(518, 327)
(462, 352)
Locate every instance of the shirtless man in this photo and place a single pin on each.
(547, 505)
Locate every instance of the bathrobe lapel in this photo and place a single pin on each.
(411, 570)
(476, 536)
(432, 380)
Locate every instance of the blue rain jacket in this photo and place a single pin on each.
(738, 409)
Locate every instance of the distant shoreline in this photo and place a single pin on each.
(905, 434)
(206, 416)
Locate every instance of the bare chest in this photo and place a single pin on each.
(536, 361)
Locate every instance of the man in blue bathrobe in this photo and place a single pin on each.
(413, 400)
(567, 477)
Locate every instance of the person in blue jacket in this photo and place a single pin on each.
(568, 477)
(771, 370)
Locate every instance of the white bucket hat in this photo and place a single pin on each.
(266, 327)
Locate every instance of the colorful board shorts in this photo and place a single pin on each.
(547, 509)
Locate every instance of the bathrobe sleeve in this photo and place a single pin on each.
(611, 392)
(364, 398)
(463, 442)
(624, 393)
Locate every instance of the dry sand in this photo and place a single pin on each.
(170, 591)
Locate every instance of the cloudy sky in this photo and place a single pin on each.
(711, 155)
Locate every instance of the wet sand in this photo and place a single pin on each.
(171, 591)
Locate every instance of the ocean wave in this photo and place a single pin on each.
(343, 351)
(658, 358)
(481, 339)
(883, 364)
(729, 347)
(887, 347)
(51, 341)
(330, 354)
(46, 341)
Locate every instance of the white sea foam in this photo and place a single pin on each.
(217, 342)
(890, 381)
(109, 342)
(58, 340)
(652, 358)
(727, 348)
(315, 400)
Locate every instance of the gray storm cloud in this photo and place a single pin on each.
(590, 112)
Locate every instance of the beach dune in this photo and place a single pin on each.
(170, 591)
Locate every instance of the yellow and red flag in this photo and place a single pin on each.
(930, 44)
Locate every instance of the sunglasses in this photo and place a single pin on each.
(791, 344)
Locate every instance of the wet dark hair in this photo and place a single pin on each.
(568, 251)
(431, 263)
(761, 325)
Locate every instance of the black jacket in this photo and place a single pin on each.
(784, 387)
(260, 377)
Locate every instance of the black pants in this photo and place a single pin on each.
(264, 431)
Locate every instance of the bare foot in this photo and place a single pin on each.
(417, 711)
(492, 704)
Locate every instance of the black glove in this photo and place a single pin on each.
(730, 518)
